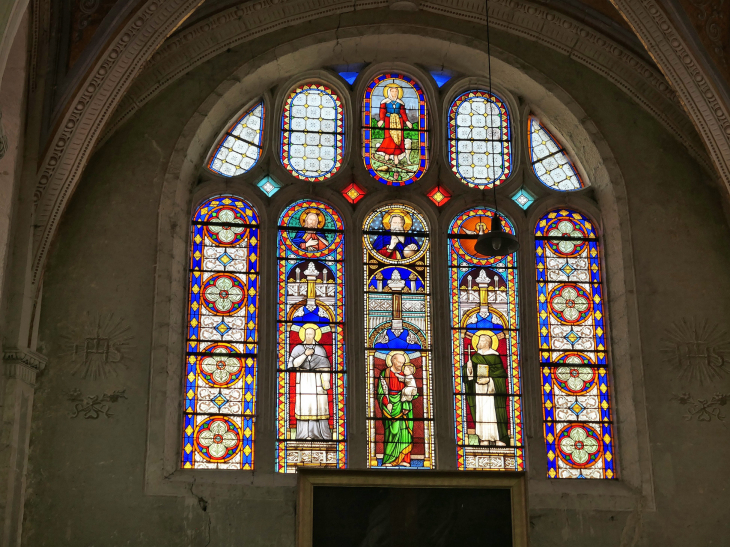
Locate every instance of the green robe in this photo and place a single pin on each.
(499, 378)
(398, 423)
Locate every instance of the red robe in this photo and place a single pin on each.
(394, 118)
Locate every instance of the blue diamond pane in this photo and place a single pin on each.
(440, 77)
(268, 186)
(523, 198)
(576, 408)
(567, 269)
(571, 337)
(222, 328)
(219, 400)
(349, 77)
(225, 258)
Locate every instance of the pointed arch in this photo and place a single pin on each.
(222, 336)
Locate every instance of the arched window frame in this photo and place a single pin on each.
(219, 295)
(228, 133)
(602, 463)
(507, 138)
(205, 184)
(563, 147)
(341, 128)
(292, 452)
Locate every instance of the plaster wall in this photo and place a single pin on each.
(86, 481)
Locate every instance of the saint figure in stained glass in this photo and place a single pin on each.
(395, 129)
(398, 338)
(485, 349)
(311, 375)
(312, 364)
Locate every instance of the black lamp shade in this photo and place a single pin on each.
(496, 242)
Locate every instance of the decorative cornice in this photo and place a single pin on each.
(23, 364)
(79, 129)
(690, 79)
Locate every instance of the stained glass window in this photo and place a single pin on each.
(395, 129)
(313, 132)
(485, 333)
(479, 139)
(550, 161)
(398, 338)
(240, 147)
(222, 344)
(573, 350)
(311, 340)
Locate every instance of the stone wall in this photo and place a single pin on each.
(89, 480)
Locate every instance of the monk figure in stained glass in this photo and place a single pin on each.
(313, 366)
(485, 384)
(396, 392)
(395, 243)
(311, 239)
(393, 117)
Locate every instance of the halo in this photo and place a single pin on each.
(389, 357)
(303, 330)
(475, 338)
(320, 216)
(387, 87)
(407, 219)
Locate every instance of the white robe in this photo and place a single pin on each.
(486, 414)
(311, 408)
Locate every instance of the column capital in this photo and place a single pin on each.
(23, 364)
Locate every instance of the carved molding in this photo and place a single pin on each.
(209, 37)
(705, 105)
(23, 364)
(107, 88)
(81, 125)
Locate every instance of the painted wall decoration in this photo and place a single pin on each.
(222, 336)
(240, 147)
(311, 381)
(574, 360)
(395, 129)
(398, 338)
(479, 139)
(312, 132)
(485, 332)
(550, 162)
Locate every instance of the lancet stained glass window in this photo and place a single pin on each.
(550, 161)
(222, 336)
(398, 338)
(479, 139)
(313, 132)
(311, 340)
(485, 349)
(395, 129)
(573, 351)
(240, 147)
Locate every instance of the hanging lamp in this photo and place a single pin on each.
(496, 242)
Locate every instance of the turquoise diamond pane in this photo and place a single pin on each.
(523, 198)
